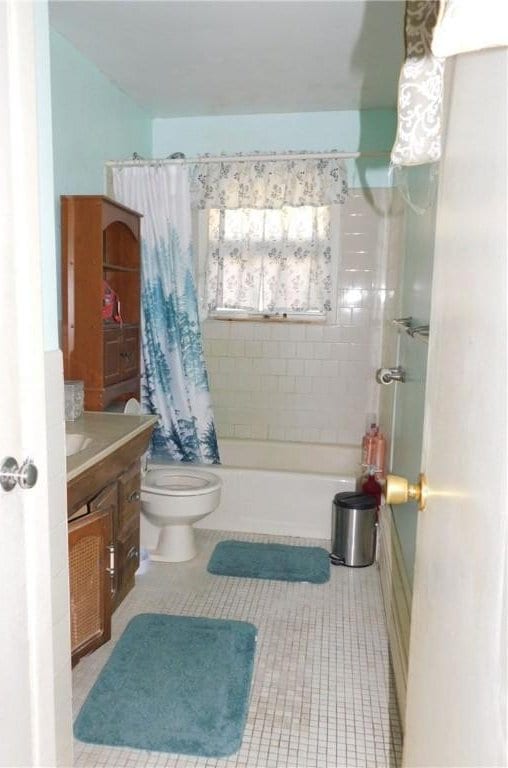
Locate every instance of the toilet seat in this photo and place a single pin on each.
(179, 481)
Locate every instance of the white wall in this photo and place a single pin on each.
(309, 382)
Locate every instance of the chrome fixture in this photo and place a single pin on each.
(111, 567)
(420, 332)
(389, 375)
(10, 474)
(403, 322)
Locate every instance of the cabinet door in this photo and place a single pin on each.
(90, 581)
(107, 501)
(112, 356)
(129, 353)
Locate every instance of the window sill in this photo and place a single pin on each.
(254, 318)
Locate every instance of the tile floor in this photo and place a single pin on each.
(322, 693)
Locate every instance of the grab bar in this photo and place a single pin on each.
(420, 332)
(403, 322)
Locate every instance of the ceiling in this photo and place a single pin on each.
(216, 57)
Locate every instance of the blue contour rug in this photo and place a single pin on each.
(173, 684)
(270, 561)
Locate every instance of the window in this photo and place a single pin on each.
(269, 262)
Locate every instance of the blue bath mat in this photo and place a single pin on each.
(173, 684)
(270, 561)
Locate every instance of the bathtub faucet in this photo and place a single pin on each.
(389, 375)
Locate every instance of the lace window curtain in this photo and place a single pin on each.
(269, 241)
(269, 261)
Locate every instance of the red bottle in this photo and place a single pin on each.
(372, 486)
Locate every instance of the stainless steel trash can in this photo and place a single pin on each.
(354, 529)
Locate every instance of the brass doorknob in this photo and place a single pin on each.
(399, 490)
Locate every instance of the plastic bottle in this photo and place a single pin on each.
(368, 445)
(379, 453)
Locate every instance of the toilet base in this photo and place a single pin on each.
(176, 544)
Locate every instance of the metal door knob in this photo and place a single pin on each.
(10, 474)
(399, 490)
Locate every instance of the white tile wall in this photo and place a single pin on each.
(308, 382)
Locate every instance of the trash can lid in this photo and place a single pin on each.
(355, 500)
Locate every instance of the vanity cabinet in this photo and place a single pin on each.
(100, 245)
(104, 504)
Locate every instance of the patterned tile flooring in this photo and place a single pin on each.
(322, 694)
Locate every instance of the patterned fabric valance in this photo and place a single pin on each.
(268, 183)
(436, 29)
(420, 90)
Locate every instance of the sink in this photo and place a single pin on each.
(75, 443)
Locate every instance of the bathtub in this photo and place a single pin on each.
(278, 488)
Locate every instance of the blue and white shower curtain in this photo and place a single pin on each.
(174, 381)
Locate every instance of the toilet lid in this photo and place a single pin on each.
(179, 481)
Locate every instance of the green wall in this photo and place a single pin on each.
(93, 121)
(368, 130)
(410, 396)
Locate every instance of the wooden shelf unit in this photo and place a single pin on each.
(100, 241)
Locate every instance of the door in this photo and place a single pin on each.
(457, 685)
(30, 713)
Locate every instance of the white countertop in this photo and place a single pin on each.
(107, 432)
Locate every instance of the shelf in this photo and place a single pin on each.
(107, 267)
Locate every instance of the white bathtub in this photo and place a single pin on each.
(284, 489)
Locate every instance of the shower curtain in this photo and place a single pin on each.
(174, 382)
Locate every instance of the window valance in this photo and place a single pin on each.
(434, 30)
(252, 183)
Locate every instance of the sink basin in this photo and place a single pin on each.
(76, 443)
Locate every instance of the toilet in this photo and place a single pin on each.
(173, 498)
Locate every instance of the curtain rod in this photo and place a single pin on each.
(137, 160)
